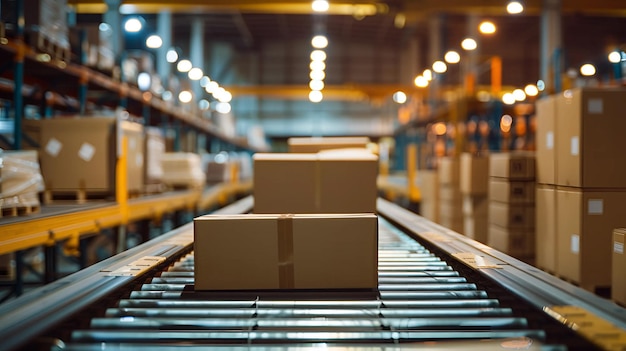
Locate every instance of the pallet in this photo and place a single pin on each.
(79, 196)
(44, 44)
(19, 210)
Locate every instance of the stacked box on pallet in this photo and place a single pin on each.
(581, 166)
(96, 48)
(474, 188)
(618, 262)
(450, 199)
(20, 182)
(79, 154)
(512, 204)
(154, 149)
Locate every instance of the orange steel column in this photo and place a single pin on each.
(496, 75)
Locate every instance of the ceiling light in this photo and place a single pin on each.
(541, 85)
(195, 73)
(399, 97)
(317, 65)
(184, 66)
(144, 80)
(587, 70)
(439, 67)
(320, 5)
(469, 44)
(316, 96)
(531, 90)
(211, 87)
(421, 81)
(204, 104)
(452, 57)
(318, 55)
(514, 7)
(508, 99)
(487, 27)
(428, 74)
(223, 107)
(519, 95)
(317, 75)
(185, 96)
(225, 96)
(172, 55)
(319, 42)
(132, 25)
(154, 42)
(615, 57)
(316, 84)
(205, 81)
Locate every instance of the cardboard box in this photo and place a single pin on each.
(545, 228)
(476, 227)
(88, 146)
(154, 151)
(449, 172)
(20, 173)
(183, 169)
(511, 215)
(590, 124)
(316, 144)
(519, 243)
(474, 173)
(518, 165)
(545, 140)
(475, 205)
(327, 182)
(428, 183)
(514, 192)
(618, 267)
(585, 223)
(450, 193)
(256, 252)
(451, 215)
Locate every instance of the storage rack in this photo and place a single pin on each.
(434, 285)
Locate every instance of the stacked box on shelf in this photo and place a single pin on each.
(512, 204)
(545, 221)
(450, 199)
(428, 184)
(154, 149)
(618, 262)
(79, 154)
(97, 47)
(590, 188)
(20, 182)
(183, 170)
(474, 187)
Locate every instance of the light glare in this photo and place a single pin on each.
(514, 7)
(195, 73)
(421, 81)
(469, 44)
(132, 25)
(508, 99)
(223, 107)
(171, 56)
(428, 74)
(439, 67)
(487, 27)
(317, 75)
(320, 5)
(587, 70)
(452, 57)
(316, 96)
(318, 55)
(615, 57)
(399, 97)
(319, 42)
(211, 87)
(154, 41)
(184, 66)
(144, 80)
(531, 90)
(316, 84)
(185, 96)
(519, 95)
(317, 65)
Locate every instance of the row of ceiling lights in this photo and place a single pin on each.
(134, 25)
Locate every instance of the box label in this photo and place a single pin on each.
(618, 247)
(550, 140)
(595, 207)
(574, 146)
(53, 147)
(86, 152)
(595, 106)
(575, 243)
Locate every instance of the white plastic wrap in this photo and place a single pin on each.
(20, 179)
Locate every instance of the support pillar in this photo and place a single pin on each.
(551, 57)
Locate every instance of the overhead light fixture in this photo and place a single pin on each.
(317, 75)
(204, 81)
(144, 81)
(223, 107)
(320, 5)
(508, 98)
(316, 96)
(317, 65)
(514, 7)
(428, 74)
(318, 55)
(587, 70)
(133, 25)
(531, 90)
(172, 55)
(211, 87)
(195, 73)
(487, 27)
(184, 66)
(439, 67)
(421, 82)
(204, 104)
(615, 57)
(319, 42)
(399, 97)
(316, 84)
(469, 44)
(154, 42)
(452, 57)
(185, 96)
(519, 95)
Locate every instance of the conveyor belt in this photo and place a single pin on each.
(426, 300)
